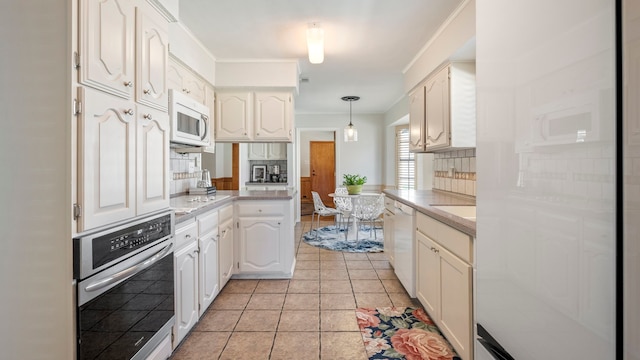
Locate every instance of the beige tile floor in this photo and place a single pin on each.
(310, 316)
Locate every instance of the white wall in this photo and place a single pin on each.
(366, 156)
(37, 300)
(305, 138)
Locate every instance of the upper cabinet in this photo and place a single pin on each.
(152, 49)
(267, 151)
(260, 116)
(442, 112)
(182, 79)
(122, 49)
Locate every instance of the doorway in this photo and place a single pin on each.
(304, 139)
(322, 160)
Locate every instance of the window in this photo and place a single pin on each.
(405, 160)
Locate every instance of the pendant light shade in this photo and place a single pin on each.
(315, 43)
(350, 131)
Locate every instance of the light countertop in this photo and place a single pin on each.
(424, 201)
(190, 206)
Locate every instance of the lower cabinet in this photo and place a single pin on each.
(197, 280)
(186, 286)
(388, 229)
(265, 238)
(444, 280)
(225, 230)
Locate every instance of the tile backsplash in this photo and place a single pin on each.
(185, 171)
(455, 171)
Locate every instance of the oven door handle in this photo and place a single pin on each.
(128, 272)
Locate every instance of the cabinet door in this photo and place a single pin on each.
(388, 236)
(234, 116)
(437, 111)
(416, 120)
(277, 151)
(273, 120)
(226, 251)
(456, 301)
(258, 151)
(428, 275)
(182, 79)
(151, 58)
(106, 171)
(107, 45)
(153, 160)
(260, 244)
(186, 280)
(208, 280)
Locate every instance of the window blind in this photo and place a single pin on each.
(405, 160)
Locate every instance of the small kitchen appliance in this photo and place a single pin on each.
(275, 173)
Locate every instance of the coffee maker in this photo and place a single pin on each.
(275, 173)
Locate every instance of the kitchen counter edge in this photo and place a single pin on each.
(233, 195)
(424, 200)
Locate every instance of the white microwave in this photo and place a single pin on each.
(575, 119)
(190, 120)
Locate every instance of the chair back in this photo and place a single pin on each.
(369, 207)
(317, 201)
(342, 203)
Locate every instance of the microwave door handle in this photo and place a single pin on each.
(206, 125)
(542, 121)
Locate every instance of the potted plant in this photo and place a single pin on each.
(354, 183)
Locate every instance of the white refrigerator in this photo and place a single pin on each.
(546, 164)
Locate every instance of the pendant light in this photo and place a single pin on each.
(350, 132)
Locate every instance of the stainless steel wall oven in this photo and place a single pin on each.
(125, 288)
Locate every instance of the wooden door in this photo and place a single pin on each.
(323, 167)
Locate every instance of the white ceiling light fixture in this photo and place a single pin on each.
(315, 43)
(350, 132)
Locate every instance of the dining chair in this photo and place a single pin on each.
(368, 208)
(320, 209)
(344, 205)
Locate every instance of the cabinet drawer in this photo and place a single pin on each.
(208, 222)
(226, 213)
(455, 241)
(261, 208)
(389, 204)
(186, 233)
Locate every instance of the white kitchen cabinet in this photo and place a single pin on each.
(106, 164)
(254, 116)
(123, 47)
(152, 49)
(444, 281)
(442, 113)
(152, 185)
(106, 46)
(182, 79)
(265, 238)
(267, 151)
(208, 241)
(273, 116)
(225, 229)
(234, 119)
(186, 281)
(388, 229)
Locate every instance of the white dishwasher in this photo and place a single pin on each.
(404, 252)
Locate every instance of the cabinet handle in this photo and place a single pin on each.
(129, 112)
(146, 91)
(189, 237)
(128, 83)
(257, 134)
(148, 116)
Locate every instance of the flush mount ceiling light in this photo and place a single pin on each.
(350, 132)
(315, 43)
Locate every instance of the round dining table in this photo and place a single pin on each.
(354, 203)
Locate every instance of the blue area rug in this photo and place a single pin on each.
(329, 239)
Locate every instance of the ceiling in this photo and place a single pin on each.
(368, 43)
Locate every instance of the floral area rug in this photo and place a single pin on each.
(329, 239)
(402, 333)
